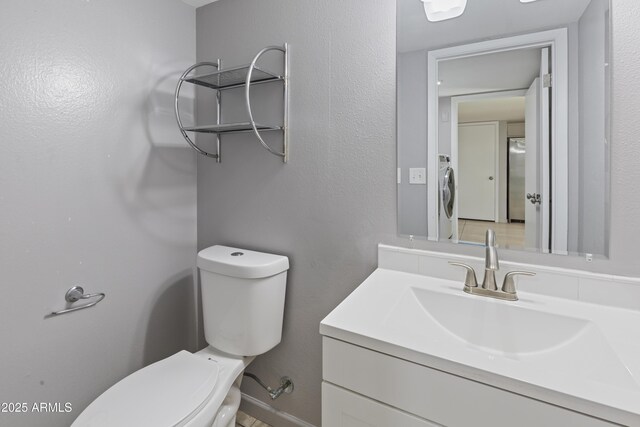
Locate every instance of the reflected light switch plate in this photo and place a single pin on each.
(417, 175)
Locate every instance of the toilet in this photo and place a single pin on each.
(242, 308)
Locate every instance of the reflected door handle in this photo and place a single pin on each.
(534, 198)
(490, 178)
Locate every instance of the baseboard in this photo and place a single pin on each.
(268, 414)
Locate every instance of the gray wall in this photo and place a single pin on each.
(412, 130)
(329, 207)
(96, 189)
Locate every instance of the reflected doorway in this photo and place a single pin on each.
(499, 145)
(489, 150)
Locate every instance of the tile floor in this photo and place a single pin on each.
(507, 235)
(244, 420)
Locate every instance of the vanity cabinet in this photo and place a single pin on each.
(362, 387)
(345, 408)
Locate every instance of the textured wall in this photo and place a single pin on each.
(329, 207)
(412, 131)
(97, 189)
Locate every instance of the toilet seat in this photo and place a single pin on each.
(168, 393)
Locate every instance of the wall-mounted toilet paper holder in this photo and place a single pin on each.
(75, 294)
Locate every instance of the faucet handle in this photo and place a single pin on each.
(509, 284)
(470, 279)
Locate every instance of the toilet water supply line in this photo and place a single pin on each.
(286, 386)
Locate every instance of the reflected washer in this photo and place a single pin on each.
(446, 196)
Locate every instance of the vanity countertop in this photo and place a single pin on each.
(578, 355)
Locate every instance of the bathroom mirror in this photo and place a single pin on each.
(503, 122)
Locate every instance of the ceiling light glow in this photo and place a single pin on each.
(440, 10)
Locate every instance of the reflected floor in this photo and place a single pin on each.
(507, 235)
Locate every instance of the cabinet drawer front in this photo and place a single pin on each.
(443, 398)
(342, 408)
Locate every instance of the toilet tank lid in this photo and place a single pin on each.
(241, 263)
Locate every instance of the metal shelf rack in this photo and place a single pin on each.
(231, 78)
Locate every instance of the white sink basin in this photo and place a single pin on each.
(583, 356)
(502, 328)
(537, 340)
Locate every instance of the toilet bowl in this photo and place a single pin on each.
(242, 304)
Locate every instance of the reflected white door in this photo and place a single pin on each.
(532, 219)
(544, 140)
(537, 163)
(477, 178)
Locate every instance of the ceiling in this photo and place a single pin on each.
(515, 69)
(482, 19)
(495, 109)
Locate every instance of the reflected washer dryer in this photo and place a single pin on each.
(446, 196)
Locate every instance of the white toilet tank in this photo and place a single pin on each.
(242, 299)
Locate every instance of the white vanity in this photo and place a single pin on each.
(409, 348)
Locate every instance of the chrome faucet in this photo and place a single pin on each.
(491, 265)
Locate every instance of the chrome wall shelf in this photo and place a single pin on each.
(233, 77)
(230, 128)
(237, 77)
